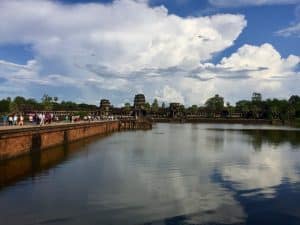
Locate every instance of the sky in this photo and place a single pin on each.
(173, 50)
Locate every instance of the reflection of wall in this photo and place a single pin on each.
(15, 169)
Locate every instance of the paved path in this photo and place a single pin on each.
(26, 126)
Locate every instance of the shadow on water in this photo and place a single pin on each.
(14, 170)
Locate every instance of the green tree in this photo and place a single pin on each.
(215, 104)
(193, 110)
(229, 108)
(4, 105)
(155, 106)
(147, 106)
(294, 106)
(18, 104)
(47, 102)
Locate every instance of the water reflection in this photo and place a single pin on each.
(32, 165)
(174, 174)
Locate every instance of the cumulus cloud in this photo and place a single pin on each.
(126, 34)
(115, 50)
(237, 3)
(267, 164)
(169, 94)
(260, 61)
(114, 41)
(250, 68)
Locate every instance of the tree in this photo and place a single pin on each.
(127, 105)
(215, 104)
(243, 107)
(47, 102)
(155, 106)
(193, 110)
(147, 106)
(4, 105)
(230, 108)
(294, 106)
(18, 104)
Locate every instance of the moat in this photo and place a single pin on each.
(173, 174)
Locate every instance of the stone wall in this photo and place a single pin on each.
(20, 141)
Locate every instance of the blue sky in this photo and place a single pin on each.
(172, 50)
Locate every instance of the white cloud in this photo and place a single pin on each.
(169, 94)
(293, 30)
(262, 171)
(118, 49)
(237, 3)
(125, 34)
(250, 68)
(9, 70)
(123, 37)
(261, 61)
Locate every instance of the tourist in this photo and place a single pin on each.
(21, 122)
(15, 119)
(4, 120)
(10, 120)
(42, 119)
(37, 118)
(31, 118)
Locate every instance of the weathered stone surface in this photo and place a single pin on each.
(13, 146)
(49, 139)
(16, 142)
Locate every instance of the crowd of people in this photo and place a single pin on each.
(47, 118)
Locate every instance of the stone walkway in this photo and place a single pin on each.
(26, 126)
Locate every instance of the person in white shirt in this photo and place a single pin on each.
(15, 119)
(10, 120)
(42, 119)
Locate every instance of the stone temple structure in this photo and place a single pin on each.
(174, 109)
(139, 105)
(105, 107)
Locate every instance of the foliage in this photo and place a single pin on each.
(47, 103)
(215, 104)
(256, 108)
(4, 105)
(155, 106)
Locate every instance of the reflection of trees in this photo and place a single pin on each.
(216, 140)
(273, 137)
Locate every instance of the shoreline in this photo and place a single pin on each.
(227, 121)
(212, 120)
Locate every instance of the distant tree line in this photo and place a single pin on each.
(255, 108)
(47, 103)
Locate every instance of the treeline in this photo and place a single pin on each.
(47, 103)
(255, 108)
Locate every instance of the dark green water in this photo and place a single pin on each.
(174, 174)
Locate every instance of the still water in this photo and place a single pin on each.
(174, 174)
